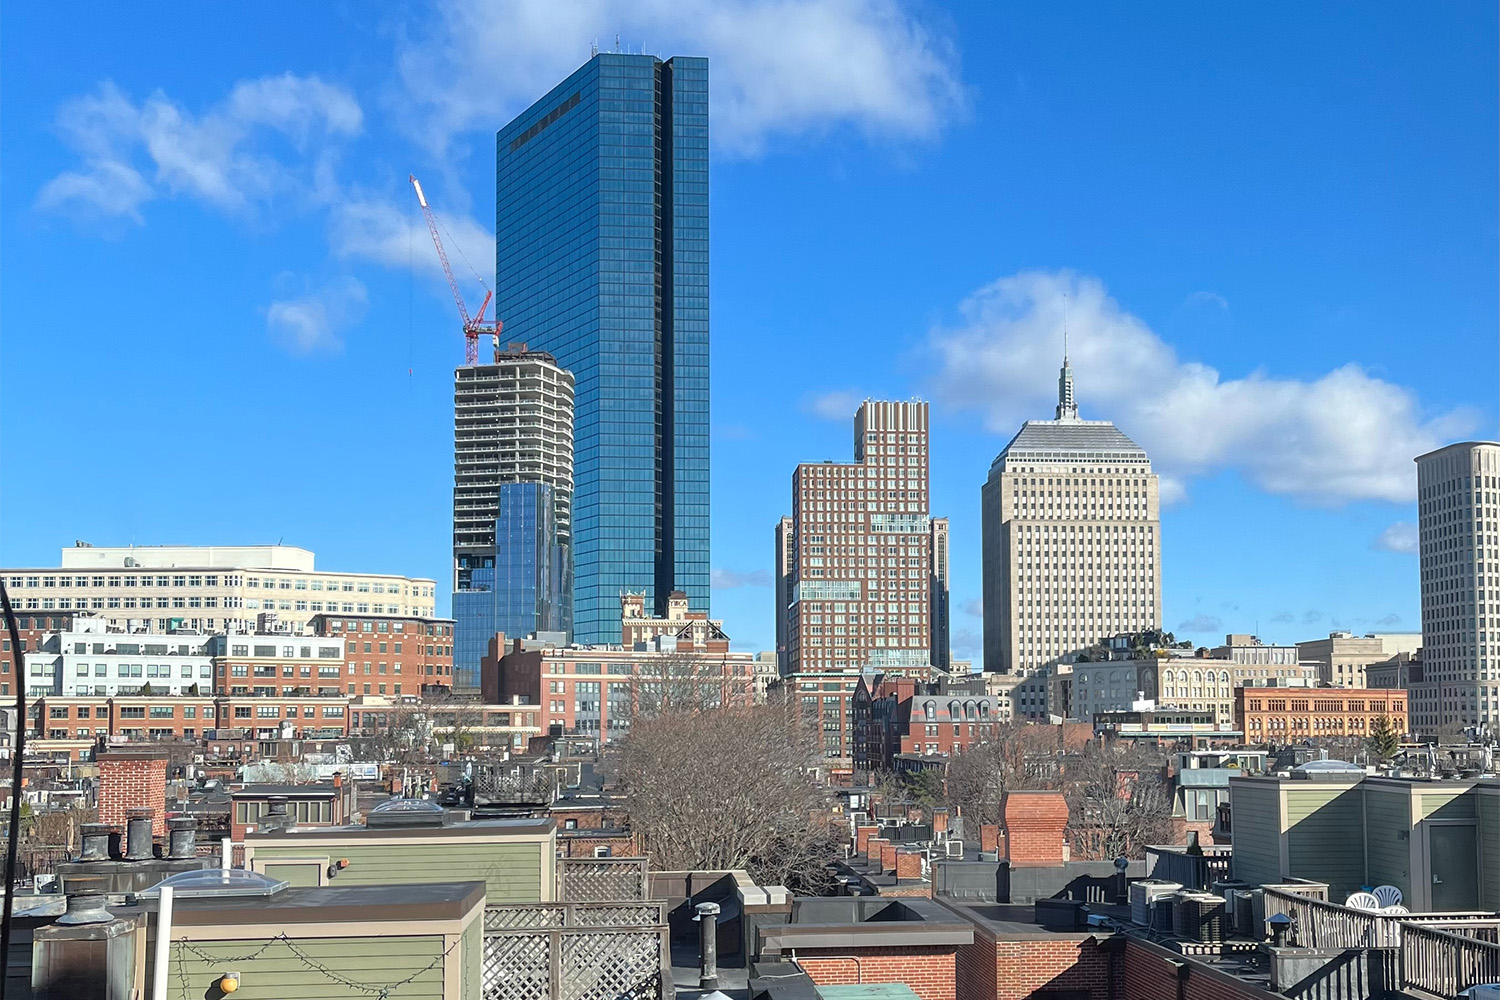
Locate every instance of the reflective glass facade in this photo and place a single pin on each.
(523, 587)
(602, 260)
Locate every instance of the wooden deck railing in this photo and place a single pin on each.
(1442, 953)
(1448, 959)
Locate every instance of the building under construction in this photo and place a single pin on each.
(512, 501)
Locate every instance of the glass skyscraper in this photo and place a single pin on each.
(602, 260)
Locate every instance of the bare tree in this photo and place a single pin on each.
(404, 738)
(1119, 801)
(1017, 756)
(671, 683)
(731, 789)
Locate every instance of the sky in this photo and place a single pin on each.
(1273, 227)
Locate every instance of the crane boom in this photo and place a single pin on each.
(474, 326)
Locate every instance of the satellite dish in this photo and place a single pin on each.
(1388, 895)
(1362, 901)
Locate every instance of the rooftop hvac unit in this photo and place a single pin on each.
(1231, 889)
(954, 849)
(1198, 916)
(1143, 897)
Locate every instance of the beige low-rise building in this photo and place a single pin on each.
(1343, 658)
(209, 588)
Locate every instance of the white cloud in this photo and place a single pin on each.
(777, 67)
(1399, 537)
(315, 320)
(134, 152)
(730, 579)
(836, 405)
(1201, 623)
(380, 230)
(1343, 436)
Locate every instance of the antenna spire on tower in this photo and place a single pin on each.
(1067, 406)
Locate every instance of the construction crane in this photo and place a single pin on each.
(477, 325)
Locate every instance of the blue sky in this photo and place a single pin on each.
(1275, 226)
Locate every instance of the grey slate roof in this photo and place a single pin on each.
(1054, 439)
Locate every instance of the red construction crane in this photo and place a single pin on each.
(472, 327)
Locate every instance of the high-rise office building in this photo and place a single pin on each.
(512, 500)
(1458, 517)
(602, 259)
(858, 566)
(1071, 543)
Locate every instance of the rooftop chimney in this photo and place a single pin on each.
(182, 837)
(1035, 825)
(139, 845)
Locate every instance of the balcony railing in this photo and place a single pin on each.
(588, 880)
(1191, 871)
(1442, 953)
(610, 950)
(1446, 959)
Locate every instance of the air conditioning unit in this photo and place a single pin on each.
(1198, 916)
(954, 849)
(1143, 897)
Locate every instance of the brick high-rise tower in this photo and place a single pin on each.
(859, 564)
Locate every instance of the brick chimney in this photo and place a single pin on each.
(940, 820)
(1035, 822)
(873, 849)
(887, 856)
(133, 779)
(862, 835)
(908, 863)
(989, 836)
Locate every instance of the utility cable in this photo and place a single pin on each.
(19, 674)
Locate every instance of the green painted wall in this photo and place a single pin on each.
(473, 953)
(1255, 811)
(1489, 851)
(1323, 842)
(512, 872)
(1446, 805)
(1389, 816)
(277, 972)
(297, 875)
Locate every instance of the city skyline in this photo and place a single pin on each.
(810, 314)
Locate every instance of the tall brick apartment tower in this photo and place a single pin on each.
(862, 568)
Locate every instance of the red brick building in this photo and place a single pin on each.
(1288, 714)
(902, 715)
(596, 691)
(188, 717)
(391, 655)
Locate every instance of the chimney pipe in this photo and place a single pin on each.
(182, 837)
(95, 842)
(138, 842)
(708, 946)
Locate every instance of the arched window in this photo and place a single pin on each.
(930, 710)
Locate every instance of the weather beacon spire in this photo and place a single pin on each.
(1067, 407)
